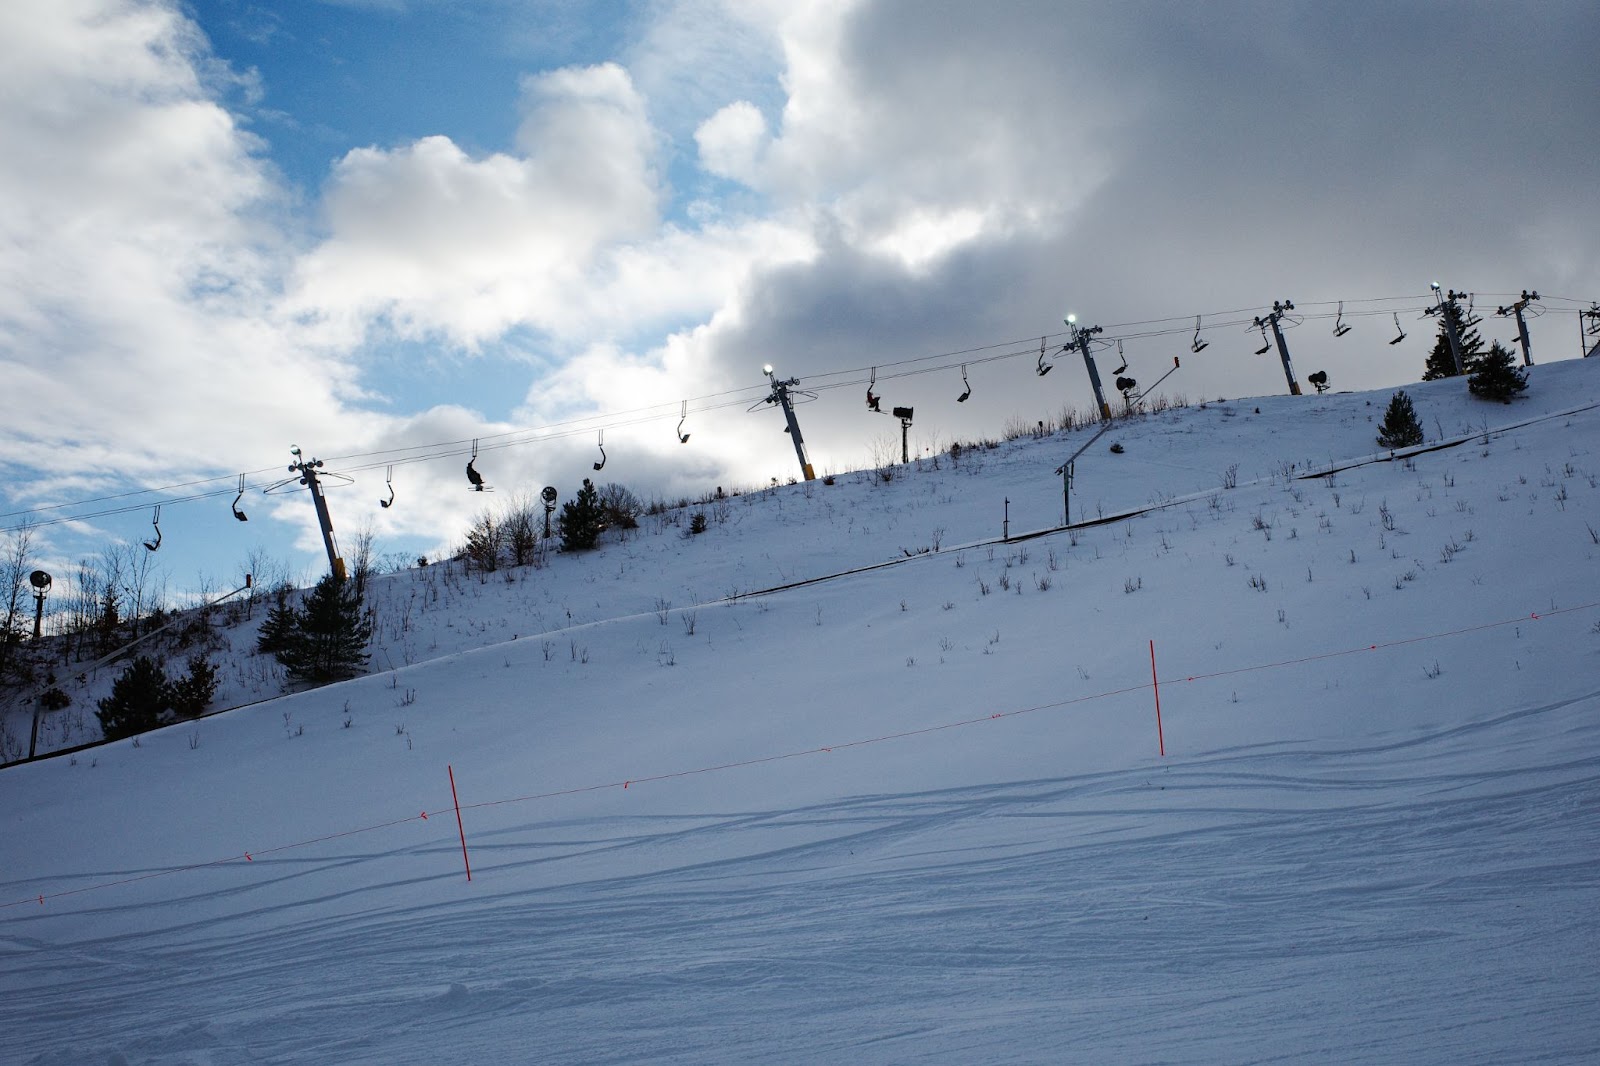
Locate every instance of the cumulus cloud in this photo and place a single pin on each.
(137, 247)
(432, 241)
(732, 140)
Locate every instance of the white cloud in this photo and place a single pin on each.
(137, 246)
(436, 242)
(731, 142)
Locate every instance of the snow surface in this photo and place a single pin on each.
(911, 813)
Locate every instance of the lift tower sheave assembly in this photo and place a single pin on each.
(780, 395)
(1080, 341)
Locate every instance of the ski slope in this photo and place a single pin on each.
(917, 812)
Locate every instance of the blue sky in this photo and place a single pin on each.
(382, 230)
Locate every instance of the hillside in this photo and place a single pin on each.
(916, 812)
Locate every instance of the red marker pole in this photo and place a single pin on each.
(1155, 684)
(459, 828)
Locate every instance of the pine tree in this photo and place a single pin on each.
(330, 635)
(194, 690)
(1442, 364)
(139, 697)
(582, 519)
(1400, 427)
(278, 628)
(1496, 375)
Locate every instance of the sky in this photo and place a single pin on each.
(381, 231)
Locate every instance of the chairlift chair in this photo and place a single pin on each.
(155, 520)
(601, 465)
(1339, 328)
(873, 400)
(472, 471)
(388, 479)
(1397, 328)
(1043, 368)
(240, 515)
(1266, 345)
(1197, 345)
(683, 415)
(1123, 358)
(966, 387)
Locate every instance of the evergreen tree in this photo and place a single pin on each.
(278, 628)
(1400, 427)
(582, 519)
(194, 690)
(330, 635)
(1496, 375)
(1441, 364)
(139, 696)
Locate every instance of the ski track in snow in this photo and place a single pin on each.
(1150, 914)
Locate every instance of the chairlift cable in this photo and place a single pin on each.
(820, 382)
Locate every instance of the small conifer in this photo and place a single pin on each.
(139, 697)
(582, 519)
(330, 635)
(1496, 375)
(1400, 427)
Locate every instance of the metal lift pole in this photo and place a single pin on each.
(780, 396)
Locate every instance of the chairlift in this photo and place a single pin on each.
(388, 479)
(1197, 345)
(240, 515)
(1043, 368)
(1339, 328)
(1469, 320)
(1266, 345)
(683, 415)
(873, 400)
(1122, 357)
(1320, 380)
(472, 471)
(155, 520)
(601, 465)
(1398, 329)
(966, 387)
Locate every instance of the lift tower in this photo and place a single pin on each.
(1278, 309)
(1522, 325)
(1080, 341)
(780, 395)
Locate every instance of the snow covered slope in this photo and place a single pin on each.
(912, 813)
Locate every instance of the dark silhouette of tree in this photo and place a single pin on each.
(139, 697)
(330, 635)
(1496, 375)
(1400, 428)
(582, 519)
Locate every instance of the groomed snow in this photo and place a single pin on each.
(913, 813)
